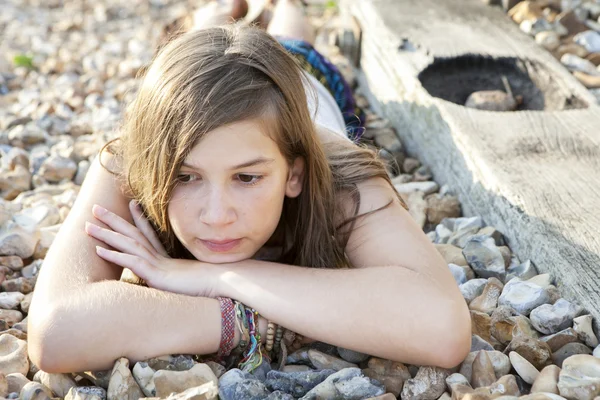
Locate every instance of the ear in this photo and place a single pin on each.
(295, 180)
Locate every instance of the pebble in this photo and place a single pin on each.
(588, 39)
(547, 380)
(487, 301)
(297, 384)
(452, 254)
(35, 391)
(86, 393)
(535, 351)
(11, 300)
(348, 383)
(58, 168)
(16, 381)
(583, 326)
(491, 100)
(392, 374)
(523, 296)
(550, 319)
(429, 383)
(321, 360)
(523, 367)
(580, 378)
(484, 257)
(59, 384)
(352, 356)
(568, 350)
(167, 382)
(548, 39)
(500, 363)
(472, 288)
(425, 187)
(440, 207)
(575, 63)
(559, 339)
(13, 355)
(121, 384)
(543, 280)
(16, 241)
(535, 26)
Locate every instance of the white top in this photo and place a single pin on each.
(328, 113)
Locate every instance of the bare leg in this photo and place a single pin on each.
(218, 13)
(289, 21)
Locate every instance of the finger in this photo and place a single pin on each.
(118, 241)
(139, 266)
(118, 224)
(146, 228)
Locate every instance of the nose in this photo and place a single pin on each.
(217, 209)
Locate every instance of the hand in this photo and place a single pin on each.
(139, 249)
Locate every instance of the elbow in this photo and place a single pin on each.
(456, 343)
(43, 341)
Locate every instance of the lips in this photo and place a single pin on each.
(220, 246)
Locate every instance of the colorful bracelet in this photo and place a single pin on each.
(227, 327)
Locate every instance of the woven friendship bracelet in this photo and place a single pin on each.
(227, 327)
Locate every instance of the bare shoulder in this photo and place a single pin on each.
(388, 236)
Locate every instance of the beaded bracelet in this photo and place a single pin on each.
(242, 325)
(227, 327)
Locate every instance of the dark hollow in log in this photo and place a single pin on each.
(455, 79)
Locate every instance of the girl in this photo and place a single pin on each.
(228, 182)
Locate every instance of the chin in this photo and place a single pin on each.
(222, 258)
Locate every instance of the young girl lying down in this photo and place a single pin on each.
(236, 195)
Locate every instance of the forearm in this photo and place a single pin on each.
(106, 320)
(390, 312)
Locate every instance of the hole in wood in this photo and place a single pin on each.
(535, 87)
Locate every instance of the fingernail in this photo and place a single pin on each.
(96, 209)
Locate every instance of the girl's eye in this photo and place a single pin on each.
(184, 178)
(249, 179)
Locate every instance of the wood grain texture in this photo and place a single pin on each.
(534, 175)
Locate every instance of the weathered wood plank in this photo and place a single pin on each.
(532, 174)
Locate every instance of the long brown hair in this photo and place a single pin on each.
(208, 78)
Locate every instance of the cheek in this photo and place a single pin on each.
(263, 208)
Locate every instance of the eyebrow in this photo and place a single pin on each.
(250, 163)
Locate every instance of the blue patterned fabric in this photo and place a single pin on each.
(329, 75)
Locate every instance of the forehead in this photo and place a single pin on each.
(233, 144)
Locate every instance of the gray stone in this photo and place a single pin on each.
(575, 63)
(352, 356)
(568, 350)
(348, 384)
(589, 39)
(296, 383)
(477, 343)
(459, 273)
(523, 296)
(484, 257)
(473, 288)
(86, 393)
(550, 319)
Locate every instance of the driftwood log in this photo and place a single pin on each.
(534, 174)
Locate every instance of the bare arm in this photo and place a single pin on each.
(83, 318)
(400, 303)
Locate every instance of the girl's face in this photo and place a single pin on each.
(230, 194)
